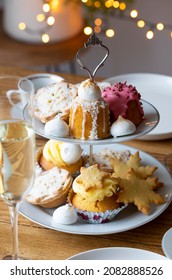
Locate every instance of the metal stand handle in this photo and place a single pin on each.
(93, 40)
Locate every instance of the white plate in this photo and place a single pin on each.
(156, 89)
(117, 253)
(127, 219)
(150, 122)
(167, 243)
(43, 79)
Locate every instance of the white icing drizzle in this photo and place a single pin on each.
(93, 109)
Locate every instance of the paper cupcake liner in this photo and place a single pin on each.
(95, 217)
(98, 217)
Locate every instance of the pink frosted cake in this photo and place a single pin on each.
(124, 100)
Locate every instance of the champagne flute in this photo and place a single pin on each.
(17, 146)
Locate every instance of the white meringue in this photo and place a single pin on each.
(122, 127)
(64, 215)
(89, 91)
(57, 127)
(70, 153)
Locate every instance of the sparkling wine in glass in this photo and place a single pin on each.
(17, 148)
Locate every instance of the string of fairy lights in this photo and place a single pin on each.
(45, 16)
(97, 15)
(119, 10)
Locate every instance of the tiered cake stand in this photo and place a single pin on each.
(129, 217)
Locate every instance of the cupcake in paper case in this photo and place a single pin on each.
(94, 195)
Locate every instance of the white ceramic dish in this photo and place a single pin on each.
(127, 219)
(167, 243)
(43, 79)
(156, 89)
(149, 123)
(117, 253)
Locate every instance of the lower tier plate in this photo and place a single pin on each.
(127, 219)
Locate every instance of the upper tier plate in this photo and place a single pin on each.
(151, 119)
(156, 89)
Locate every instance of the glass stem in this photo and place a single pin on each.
(91, 155)
(14, 229)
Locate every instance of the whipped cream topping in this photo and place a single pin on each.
(122, 127)
(94, 194)
(89, 91)
(70, 153)
(61, 153)
(64, 215)
(57, 127)
(51, 152)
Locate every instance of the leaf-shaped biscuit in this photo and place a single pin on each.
(91, 177)
(139, 191)
(121, 168)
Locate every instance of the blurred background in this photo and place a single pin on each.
(31, 42)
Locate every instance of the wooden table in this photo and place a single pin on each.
(37, 242)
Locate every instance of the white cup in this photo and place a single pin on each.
(20, 97)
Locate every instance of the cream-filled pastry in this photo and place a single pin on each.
(94, 195)
(64, 155)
